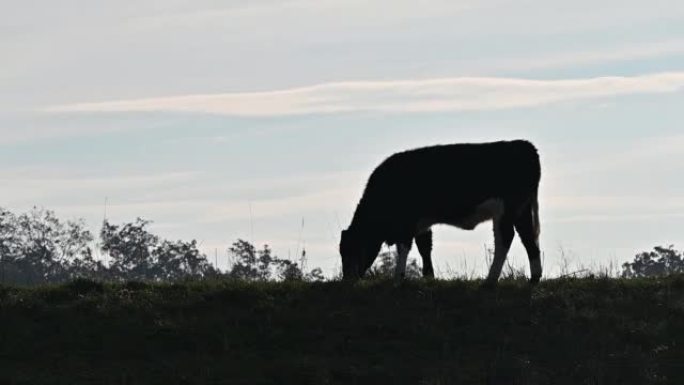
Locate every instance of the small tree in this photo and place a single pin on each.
(180, 260)
(249, 264)
(130, 249)
(138, 254)
(661, 261)
(261, 265)
(289, 271)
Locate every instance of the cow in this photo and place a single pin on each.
(461, 185)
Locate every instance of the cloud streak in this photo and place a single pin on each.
(396, 96)
(596, 55)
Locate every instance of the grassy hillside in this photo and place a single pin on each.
(585, 331)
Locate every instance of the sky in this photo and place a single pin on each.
(262, 119)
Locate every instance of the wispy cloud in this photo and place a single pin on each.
(426, 95)
(594, 55)
(307, 12)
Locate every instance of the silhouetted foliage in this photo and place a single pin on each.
(315, 275)
(386, 264)
(176, 260)
(662, 261)
(249, 263)
(130, 249)
(138, 254)
(261, 265)
(37, 247)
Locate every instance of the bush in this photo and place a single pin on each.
(662, 261)
(261, 265)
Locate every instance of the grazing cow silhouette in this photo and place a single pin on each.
(461, 185)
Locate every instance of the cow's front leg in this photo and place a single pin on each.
(403, 249)
(503, 237)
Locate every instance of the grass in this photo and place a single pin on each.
(569, 331)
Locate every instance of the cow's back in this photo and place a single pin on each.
(448, 180)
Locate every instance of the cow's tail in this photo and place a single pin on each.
(534, 207)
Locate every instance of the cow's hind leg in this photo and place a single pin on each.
(424, 243)
(527, 227)
(503, 237)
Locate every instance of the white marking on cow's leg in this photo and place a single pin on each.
(499, 258)
(527, 227)
(531, 242)
(402, 256)
(503, 236)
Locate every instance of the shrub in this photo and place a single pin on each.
(661, 261)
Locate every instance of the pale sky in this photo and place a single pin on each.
(223, 120)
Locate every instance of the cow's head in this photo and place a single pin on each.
(358, 253)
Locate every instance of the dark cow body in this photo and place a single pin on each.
(458, 184)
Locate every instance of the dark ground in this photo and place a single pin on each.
(583, 331)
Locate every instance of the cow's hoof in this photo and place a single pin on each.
(534, 281)
(489, 285)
